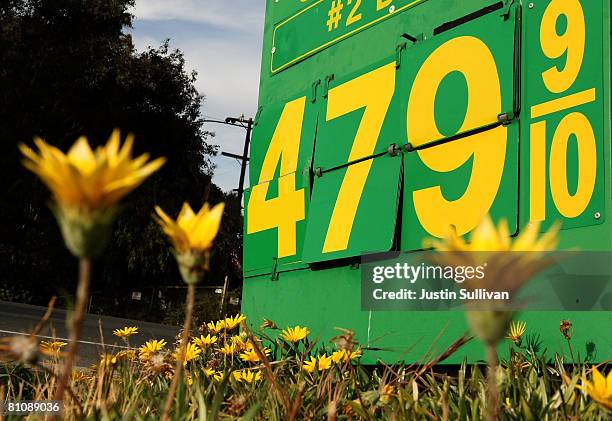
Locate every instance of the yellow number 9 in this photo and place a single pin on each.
(571, 43)
(471, 57)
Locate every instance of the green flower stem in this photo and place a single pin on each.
(178, 368)
(492, 393)
(75, 325)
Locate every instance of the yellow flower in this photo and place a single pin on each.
(218, 376)
(232, 323)
(192, 231)
(322, 363)
(79, 376)
(247, 376)
(89, 179)
(239, 341)
(509, 265)
(209, 371)
(295, 334)
(192, 237)
(251, 356)
(345, 356)
(387, 393)
(486, 237)
(228, 349)
(189, 379)
(52, 348)
(217, 327)
(517, 330)
(600, 389)
(192, 351)
(150, 348)
(86, 185)
(205, 341)
(126, 354)
(126, 332)
(108, 360)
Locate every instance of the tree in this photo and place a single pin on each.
(67, 68)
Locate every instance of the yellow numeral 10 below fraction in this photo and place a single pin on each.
(571, 44)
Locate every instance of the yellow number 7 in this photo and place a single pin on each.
(374, 91)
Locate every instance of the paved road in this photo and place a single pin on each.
(22, 318)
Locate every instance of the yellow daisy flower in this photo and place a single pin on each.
(216, 327)
(600, 389)
(295, 334)
(228, 349)
(86, 186)
(88, 179)
(232, 323)
(517, 330)
(205, 341)
(192, 352)
(126, 332)
(251, 356)
(247, 376)
(345, 356)
(322, 363)
(150, 348)
(192, 231)
(52, 348)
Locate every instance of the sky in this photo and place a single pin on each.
(221, 41)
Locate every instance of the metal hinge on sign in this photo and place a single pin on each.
(328, 81)
(315, 88)
(274, 275)
(398, 54)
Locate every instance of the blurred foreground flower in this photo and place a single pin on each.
(21, 349)
(86, 186)
(52, 348)
(600, 389)
(192, 237)
(510, 264)
(295, 334)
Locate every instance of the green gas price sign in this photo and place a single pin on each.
(431, 136)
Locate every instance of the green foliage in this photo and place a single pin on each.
(530, 387)
(69, 68)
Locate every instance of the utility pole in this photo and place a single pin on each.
(245, 152)
(246, 124)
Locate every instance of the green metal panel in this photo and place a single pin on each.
(469, 179)
(371, 228)
(583, 96)
(327, 296)
(262, 246)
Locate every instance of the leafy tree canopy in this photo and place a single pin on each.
(67, 68)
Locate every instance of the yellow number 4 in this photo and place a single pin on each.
(286, 210)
